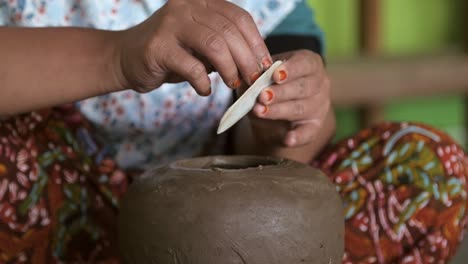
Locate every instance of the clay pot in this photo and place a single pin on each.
(227, 210)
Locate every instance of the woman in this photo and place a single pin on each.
(64, 168)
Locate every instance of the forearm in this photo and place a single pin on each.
(44, 67)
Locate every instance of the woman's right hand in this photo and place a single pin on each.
(185, 40)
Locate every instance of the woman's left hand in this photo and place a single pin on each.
(292, 112)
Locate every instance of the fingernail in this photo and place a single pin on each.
(261, 109)
(254, 77)
(237, 83)
(291, 141)
(268, 95)
(283, 75)
(266, 63)
(204, 92)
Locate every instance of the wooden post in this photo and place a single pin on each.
(369, 26)
(464, 15)
(370, 37)
(465, 46)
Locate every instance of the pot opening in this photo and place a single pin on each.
(229, 163)
(240, 164)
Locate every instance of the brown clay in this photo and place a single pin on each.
(232, 210)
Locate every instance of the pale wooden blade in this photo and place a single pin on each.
(247, 101)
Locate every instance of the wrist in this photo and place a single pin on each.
(116, 77)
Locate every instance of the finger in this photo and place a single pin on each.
(300, 88)
(298, 64)
(190, 69)
(269, 131)
(240, 50)
(302, 134)
(247, 27)
(211, 45)
(295, 110)
(209, 68)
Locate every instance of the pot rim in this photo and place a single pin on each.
(233, 163)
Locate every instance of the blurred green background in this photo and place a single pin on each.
(408, 28)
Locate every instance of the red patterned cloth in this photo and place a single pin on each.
(58, 191)
(403, 188)
(404, 191)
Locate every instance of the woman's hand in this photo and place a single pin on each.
(185, 40)
(296, 110)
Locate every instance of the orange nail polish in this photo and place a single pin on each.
(269, 95)
(283, 75)
(265, 110)
(237, 83)
(254, 77)
(266, 63)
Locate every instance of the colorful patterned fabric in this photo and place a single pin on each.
(59, 192)
(405, 194)
(144, 128)
(403, 187)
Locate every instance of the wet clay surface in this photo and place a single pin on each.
(227, 210)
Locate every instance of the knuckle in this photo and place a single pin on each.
(259, 47)
(243, 18)
(299, 109)
(279, 93)
(305, 87)
(312, 59)
(274, 112)
(228, 29)
(196, 70)
(305, 53)
(214, 42)
(309, 54)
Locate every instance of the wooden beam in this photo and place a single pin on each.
(370, 46)
(374, 81)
